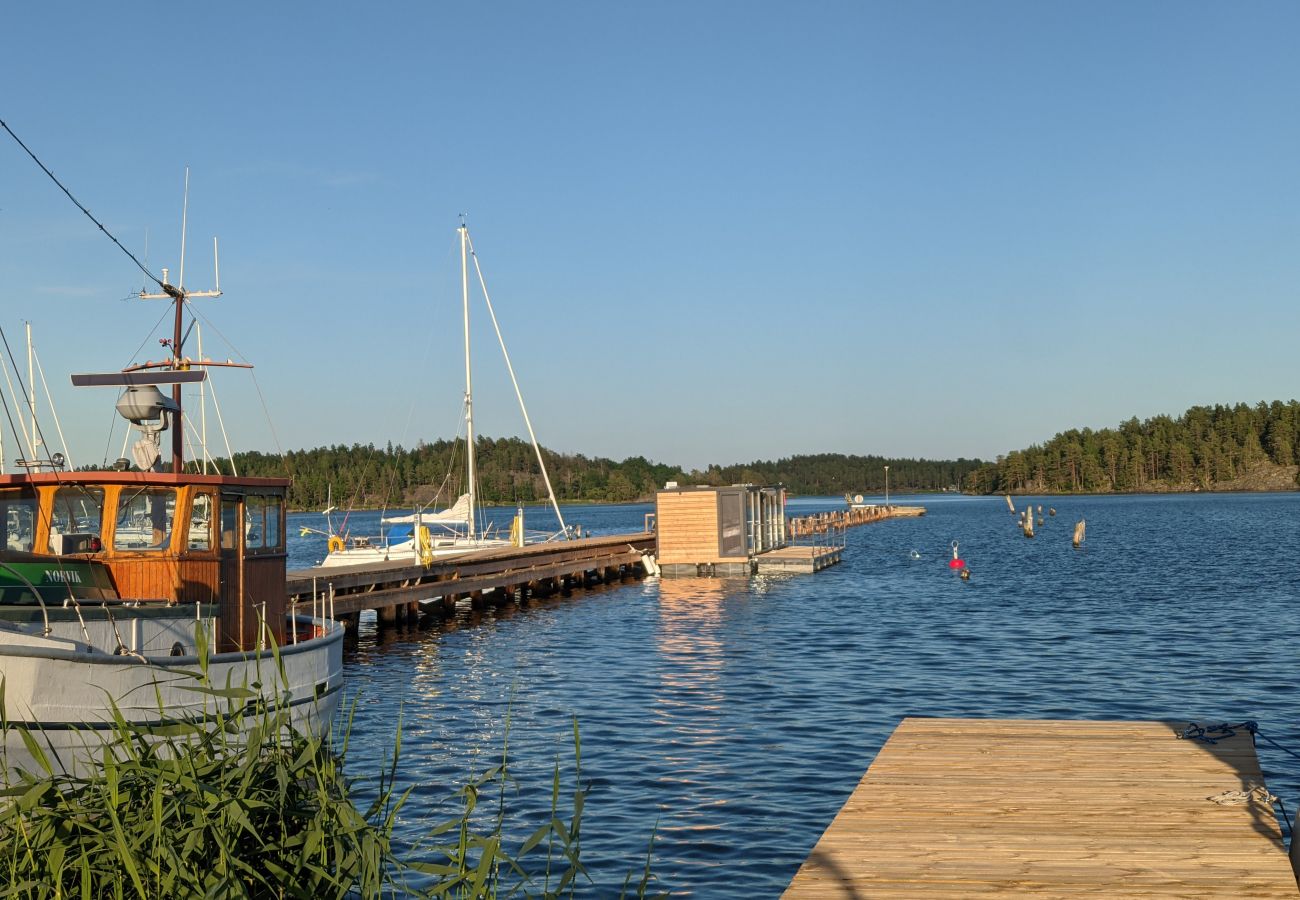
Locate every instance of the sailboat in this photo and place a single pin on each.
(423, 536)
(146, 591)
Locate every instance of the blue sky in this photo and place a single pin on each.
(714, 232)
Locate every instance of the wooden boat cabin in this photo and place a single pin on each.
(186, 539)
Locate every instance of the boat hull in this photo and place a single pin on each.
(406, 552)
(64, 691)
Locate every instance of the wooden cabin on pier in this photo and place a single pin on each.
(736, 530)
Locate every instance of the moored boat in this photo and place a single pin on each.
(107, 621)
(149, 592)
(423, 536)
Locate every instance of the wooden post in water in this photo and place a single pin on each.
(1079, 529)
(1028, 523)
(1011, 506)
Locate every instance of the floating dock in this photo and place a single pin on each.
(966, 807)
(798, 558)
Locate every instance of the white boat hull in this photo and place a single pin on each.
(63, 691)
(407, 552)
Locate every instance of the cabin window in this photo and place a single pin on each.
(76, 519)
(17, 521)
(254, 527)
(201, 522)
(144, 519)
(262, 522)
(273, 505)
(229, 518)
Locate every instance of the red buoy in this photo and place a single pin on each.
(955, 563)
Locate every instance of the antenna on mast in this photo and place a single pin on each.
(185, 212)
(179, 297)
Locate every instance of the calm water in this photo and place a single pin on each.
(739, 714)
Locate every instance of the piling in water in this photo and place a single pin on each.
(1079, 529)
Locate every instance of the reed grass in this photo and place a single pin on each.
(240, 804)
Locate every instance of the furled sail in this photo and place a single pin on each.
(457, 512)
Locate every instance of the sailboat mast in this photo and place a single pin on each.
(31, 393)
(469, 385)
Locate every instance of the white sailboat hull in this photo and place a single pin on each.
(406, 551)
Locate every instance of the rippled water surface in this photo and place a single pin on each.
(736, 715)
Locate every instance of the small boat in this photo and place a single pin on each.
(423, 536)
(148, 591)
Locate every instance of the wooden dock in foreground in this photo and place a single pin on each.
(401, 591)
(962, 807)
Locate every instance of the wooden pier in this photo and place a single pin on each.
(962, 807)
(839, 519)
(400, 591)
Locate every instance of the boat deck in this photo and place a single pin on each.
(963, 807)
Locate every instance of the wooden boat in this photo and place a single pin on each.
(127, 589)
(91, 618)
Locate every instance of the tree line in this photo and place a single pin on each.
(363, 475)
(1206, 447)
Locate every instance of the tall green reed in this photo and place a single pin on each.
(238, 803)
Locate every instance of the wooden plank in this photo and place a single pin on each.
(967, 807)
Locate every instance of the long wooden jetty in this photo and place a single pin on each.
(398, 591)
(839, 519)
(962, 807)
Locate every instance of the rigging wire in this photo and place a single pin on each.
(18, 376)
(46, 170)
(8, 413)
(49, 398)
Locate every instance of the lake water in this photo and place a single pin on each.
(736, 715)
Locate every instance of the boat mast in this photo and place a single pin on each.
(469, 385)
(31, 394)
(178, 295)
(532, 435)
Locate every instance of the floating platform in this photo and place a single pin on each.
(797, 559)
(986, 807)
(792, 560)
